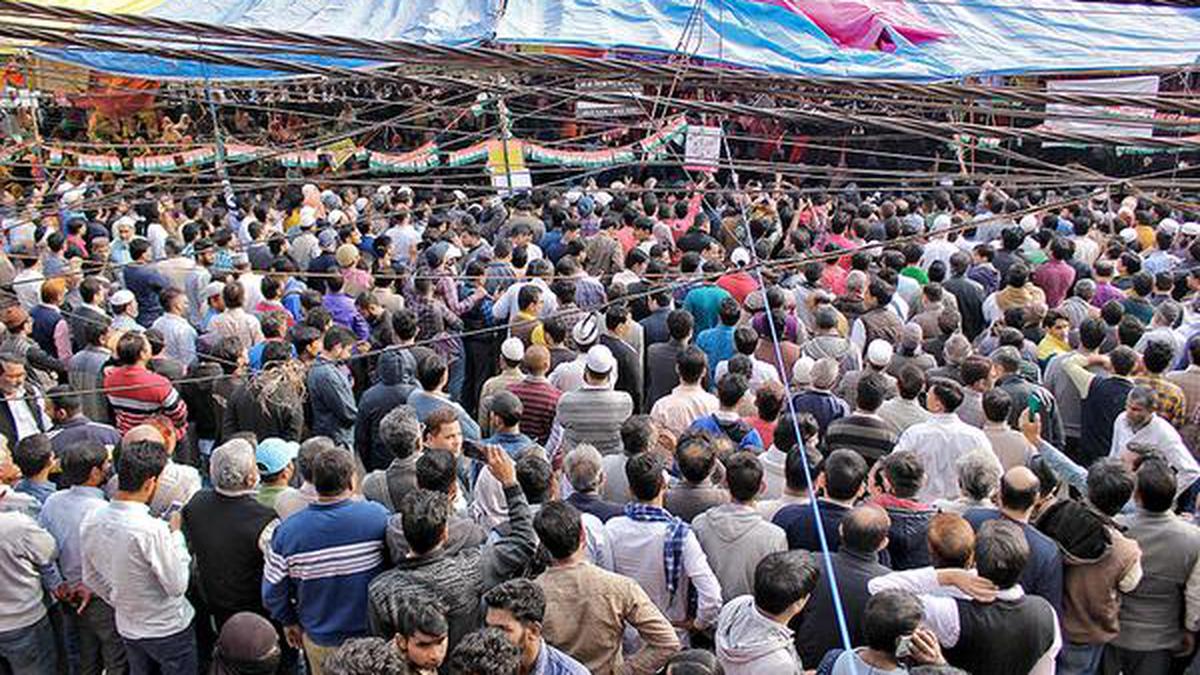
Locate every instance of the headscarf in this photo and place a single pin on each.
(248, 645)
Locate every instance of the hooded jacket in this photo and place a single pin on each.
(390, 391)
(749, 643)
(735, 537)
(1097, 563)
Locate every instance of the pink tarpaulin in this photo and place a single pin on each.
(863, 24)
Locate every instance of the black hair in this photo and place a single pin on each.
(139, 462)
(1110, 484)
(691, 363)
(522, 598)
(535, 476)
(844, 471)
(731, 388)
(905, 473)
(558, 526)
(332, 471)
(695, 456)
(783, 578)
(1001, 553)
(430, 371)
(872, 389)
(644, 473)
(997, 404)
(80, 459)
(423, 514)
(1156, 485)
(33, 454)
(485, 652)
(436, 470)
(888, 616)
(743, 475)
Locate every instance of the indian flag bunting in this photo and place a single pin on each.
(154, 163)
(671, 132)
(98, 162)
(421, 159)
(468, 155)
(578, 158)
(199, 156)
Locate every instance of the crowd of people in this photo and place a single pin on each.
(629, 427)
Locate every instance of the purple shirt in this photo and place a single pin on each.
(1105, 292)
(1055, 278)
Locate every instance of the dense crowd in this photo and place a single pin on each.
(629, 427)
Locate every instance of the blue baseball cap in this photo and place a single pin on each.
(273, 454)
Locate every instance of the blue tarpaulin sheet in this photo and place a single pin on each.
(909, 40)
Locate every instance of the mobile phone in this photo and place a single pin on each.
(1034, 405)
(474, 450)
(174, 508)
(903, 646)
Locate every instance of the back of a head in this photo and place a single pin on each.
(485, 652)
(888, 616)
(559, 527)
(233, 467)
(694, 662)
(951, 541)
(948, 393)
(743, 476)
(910, 382)
(782, 579)
(691, 363)
(424, 514)
(366, 656)
(520, 597)
(904, 472)
(583, 468)
(139, 462)
(1019, 489)
(695, 456)
(637, 433)
(332, 472)
(535, 476)
(1156, 485)
(1124, 360)
(644, 473)
(1110, 484)
(437, 470)
(865, 528)
(731, 388)
(997, 403)
(844, 471)
(872, 389)
(1001, 553)
(78, 461)
(400, 431)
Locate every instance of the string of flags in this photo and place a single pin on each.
(424, 158)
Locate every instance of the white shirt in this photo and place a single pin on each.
(505, 308)
(140, 567)
(28, 287)
(685, 404)
(938, 249)
(179, 338)
(568, 376)
(773, 463)
(941, 609)
(762, 373)
(637, 550)
(939, 443)
(1160, 435)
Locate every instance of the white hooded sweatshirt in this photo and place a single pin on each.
(750, 643)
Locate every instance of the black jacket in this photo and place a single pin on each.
(248, 409)
(816, 627)
(629, 368)
(906, 538)
(223, 535)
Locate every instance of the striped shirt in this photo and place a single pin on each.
(590, 414)
(539, 399)
(320, 563)
(869, 435)
(137, 395)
